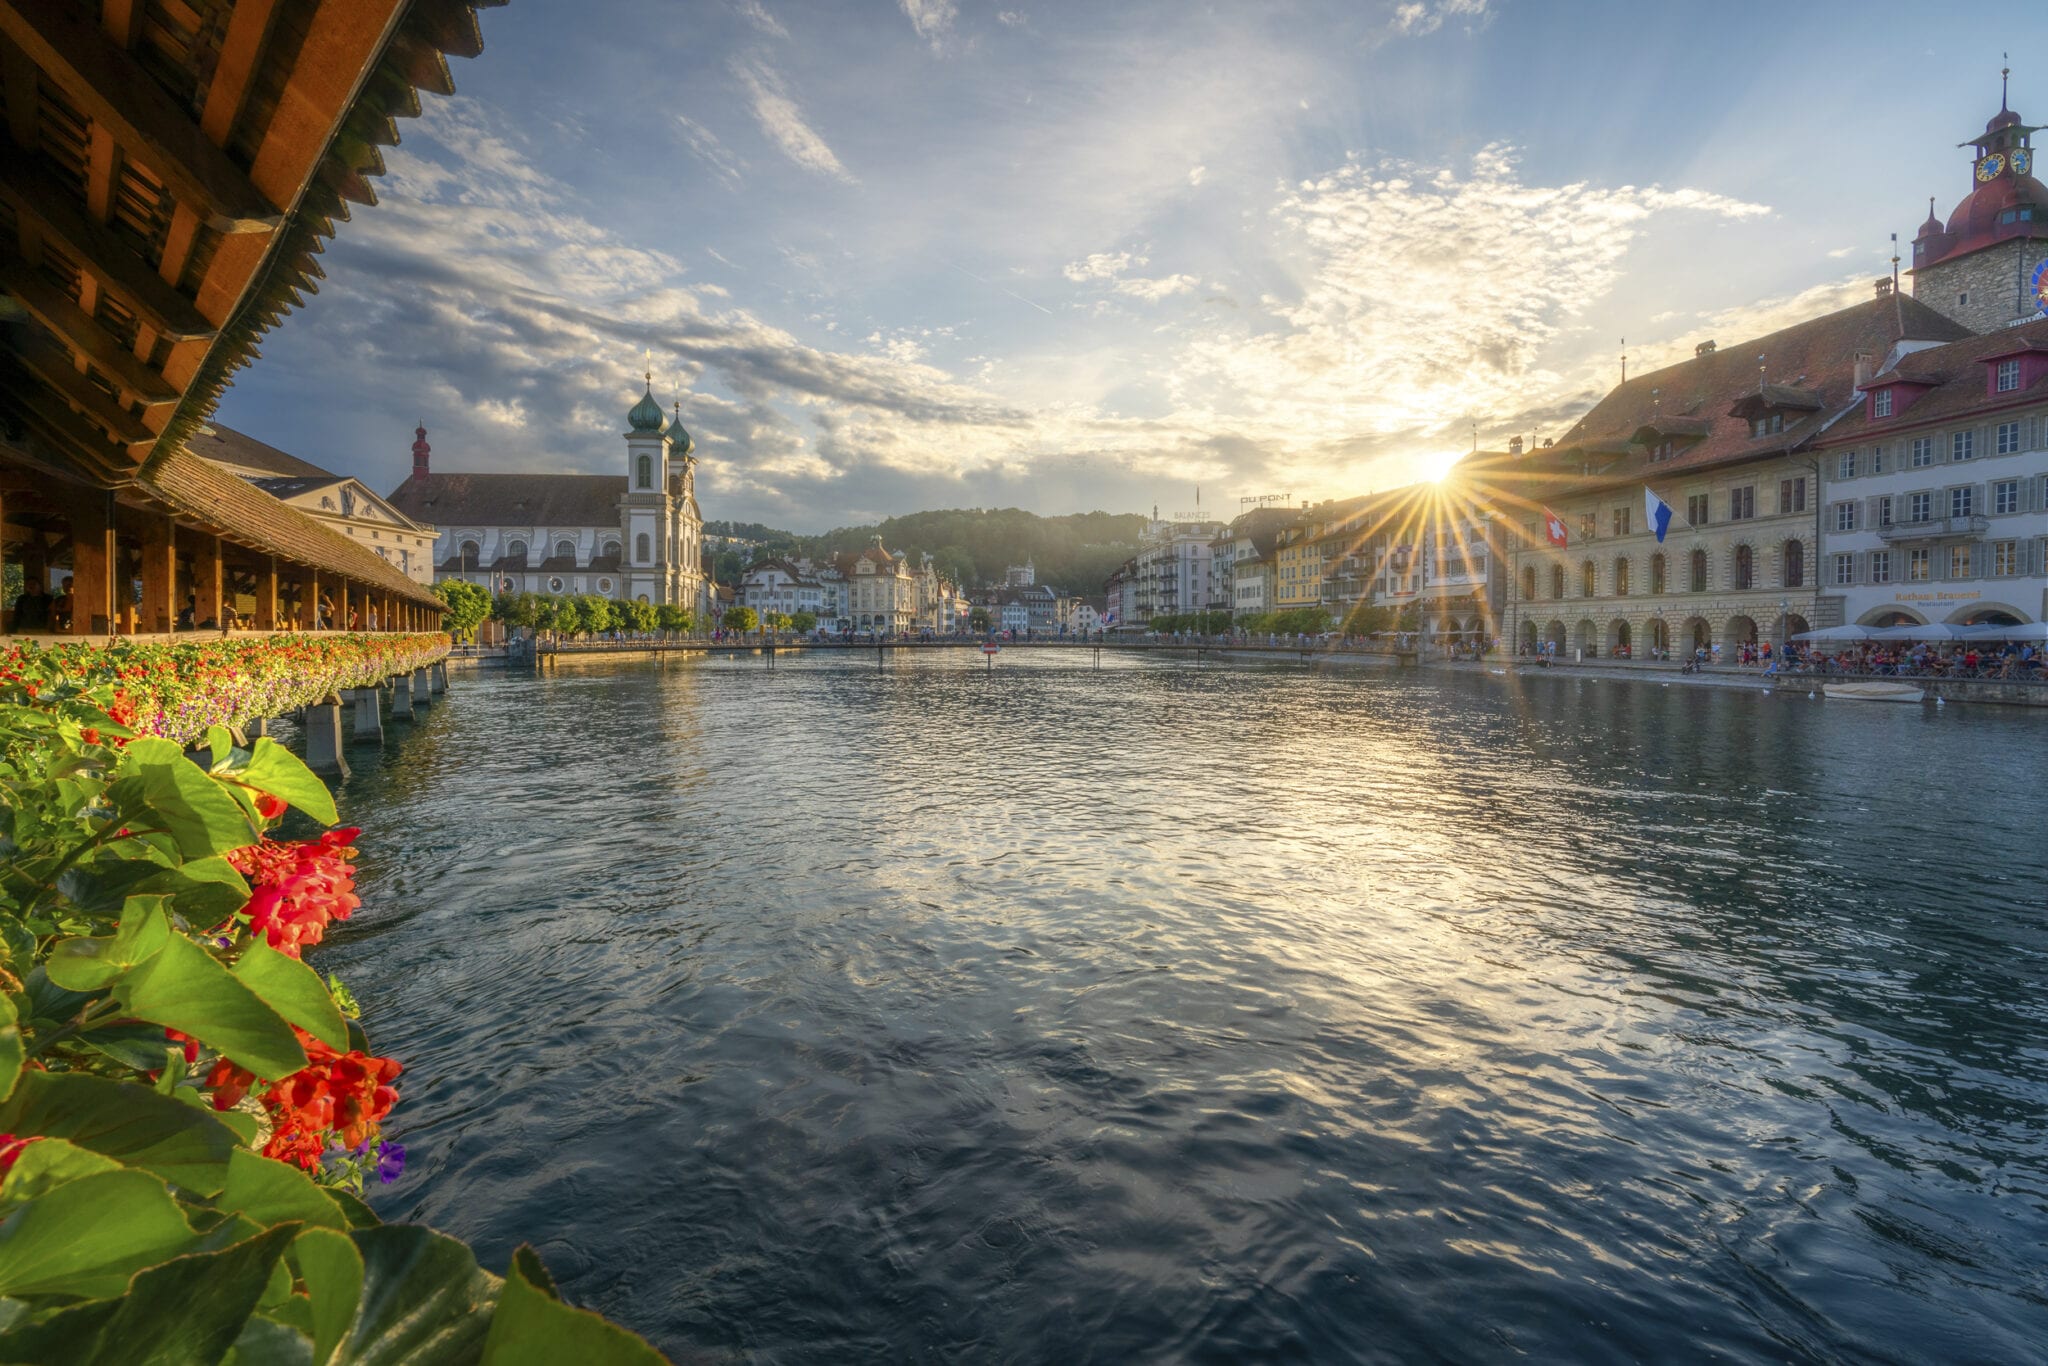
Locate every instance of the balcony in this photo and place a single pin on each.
(1934, 529)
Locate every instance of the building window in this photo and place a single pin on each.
(1769, 425)
(1698, 578)
(1884, 510)
(1923, 452)
(1557, 581)
(1589, 525)
(1742, 503)
(1745, 567)
(1529, 584)
(1880, 566)
(2005, 558)
(2008, 376)
(1920, 507)
(642, 549)
(468, 554)
(1845, 570)
(1792, 494)
(1621, 578)
(1877, 460)
(565, 549)
(1589, 578)
(1696, 509)
(1621, 521)
(1917, 566)
(1845, 516)
(1881, 403)
(1959, 561)
(1657, 573)
(515, 550)
(2005, 496)
(1962, 501)
(2008, 437)
(1845, 465)
(1795, 564)
(1962, 445)
(646, 472)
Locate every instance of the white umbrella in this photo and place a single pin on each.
(1832, 634)
(1938, 630)
(2036, 631)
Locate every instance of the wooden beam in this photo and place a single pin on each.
(82, 446)
(235, 68)
(348, 39)
(112, 88)
(38, 197)
(53, 366)
(122, 21)
(49, 306)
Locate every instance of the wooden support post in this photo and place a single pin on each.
(340, 622)
(266, 595)
(309, 600)
(159, 575)
(92, 565)
(207, 584)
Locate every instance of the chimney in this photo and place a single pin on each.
(420, 451)
(1863, 364)
(1514, 445)
(1884, 287)
(1705, 348)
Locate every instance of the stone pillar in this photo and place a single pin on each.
(92, 565)
(266, 595)
(257, 728)
(322, 721)
(159, 575)
(369, 717)
(437, 674)
(422, 687)
(401, 698)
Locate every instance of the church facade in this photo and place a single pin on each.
(636, 535)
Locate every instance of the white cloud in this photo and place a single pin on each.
(1103, 265)
(1152, 291)
(757, 14)
(931, 18)
(1414, 18)
(704, 144)
(783, 121)
(1010, 18)
(1198, 174)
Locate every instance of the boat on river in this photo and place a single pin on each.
(1876, 692)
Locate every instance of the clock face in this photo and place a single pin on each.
(1990, 166)
(2022, 161)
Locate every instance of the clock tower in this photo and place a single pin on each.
(1985, 266)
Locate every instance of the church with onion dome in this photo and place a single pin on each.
(637, 534)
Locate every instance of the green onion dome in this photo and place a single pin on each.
(646, 414)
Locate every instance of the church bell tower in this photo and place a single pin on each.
(1987, 267)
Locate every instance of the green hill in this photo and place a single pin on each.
(1073, 553)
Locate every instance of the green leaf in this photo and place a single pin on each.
(206, 891)
(274, 769)
(220, 743)
(12, 1051)
(131, 1124)
(267, 1342)
(48, 1163)
(138, 1046)
(294, 991)
(333, 1272)
(424, 1300)
(359, 1213)
(157, 787)
(87, 1237)
(55, 1340)
(91, 964)
(532, 1327)
(187, 989)
(273, 1192)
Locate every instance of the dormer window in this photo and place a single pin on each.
(1881, 403)
(2008, 376)
(1770, 424)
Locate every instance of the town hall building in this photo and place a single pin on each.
(634, 535)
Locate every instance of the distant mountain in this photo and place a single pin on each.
(1073, 553)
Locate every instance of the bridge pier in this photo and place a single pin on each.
(369, 715)
(322, 721)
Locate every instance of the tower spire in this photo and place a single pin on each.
(2004, 80)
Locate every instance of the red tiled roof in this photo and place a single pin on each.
(1817, 356)
(536, 500)
(1955, 384)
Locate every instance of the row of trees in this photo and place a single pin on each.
(577, 614)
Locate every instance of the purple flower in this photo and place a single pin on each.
(390, 1162)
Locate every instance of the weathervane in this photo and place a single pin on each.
(1624, 360)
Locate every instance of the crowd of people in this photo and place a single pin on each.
(1920, 659)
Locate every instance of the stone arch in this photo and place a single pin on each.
(1697, 577)
(1553, 634)
(1988, 614)
(1620, 637)
(1742, 567)
(1529, 636)
(1660, 581)
(1660, 635)
(1589, 580)
(1881, 617)
(1621, 576)
(1792, 563)
(1586, 636)
(1698, 635)
(1789, 625)
(1741, 630)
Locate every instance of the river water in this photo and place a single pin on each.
(1164, 1013)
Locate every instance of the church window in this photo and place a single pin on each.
(565, 549)
(646, 472)
(469, 553)
(516, 550)
(641, 552)
(611, 548)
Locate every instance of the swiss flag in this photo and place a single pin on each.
(1553, 528)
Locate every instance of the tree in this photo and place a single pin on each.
(565, 619)
(596, 612)
(803, 623)
(778, 621)
(978, 619)
(468, 604)
(637, 616)
(1365, 620)
(516, 609)
(728, 567)
(673, 618)
(740, 619)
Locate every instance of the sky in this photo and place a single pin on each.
(892, 255)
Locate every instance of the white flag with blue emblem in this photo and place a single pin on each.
(1659, 513)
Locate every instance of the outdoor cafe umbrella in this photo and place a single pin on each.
(2035, 631)
(1933, 631)
(1828, 635)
